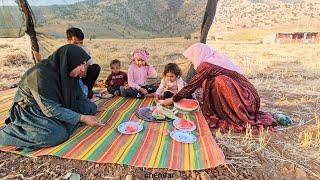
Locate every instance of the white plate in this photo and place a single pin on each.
(176, 125)
(122, 128)
(183, 136)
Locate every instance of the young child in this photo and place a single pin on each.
(76, 36)
(138, 72)
(116, 79)
(171, 82)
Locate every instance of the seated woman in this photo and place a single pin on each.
(49, 104)
(230, 101)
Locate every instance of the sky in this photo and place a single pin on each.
(40, 2)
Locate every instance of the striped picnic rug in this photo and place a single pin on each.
(151, 148)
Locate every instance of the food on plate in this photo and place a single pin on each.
(168, 113)
(131, 128)
(185, 124)
(157, 114)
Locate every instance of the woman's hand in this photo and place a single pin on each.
(166, 102)
(90, 120)
(144, 91)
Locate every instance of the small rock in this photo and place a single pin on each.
(291, 167)
(301, 174)
(129, 177)
(215, 173)
(241, 177)
(246, 174)
(254, 176)
(96, 166)
(204, 176)
(285, 170)
(194, 175)
(72, 176)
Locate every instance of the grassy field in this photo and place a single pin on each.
(286, 76)
(15, 58)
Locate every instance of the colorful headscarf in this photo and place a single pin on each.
(140, 54)
(199, 52)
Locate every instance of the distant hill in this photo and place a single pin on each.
(167, 18)
(264, 14)
(124, 18)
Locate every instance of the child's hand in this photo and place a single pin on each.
(144, 91)
(111, 83)
(104, 93)
(166, 102)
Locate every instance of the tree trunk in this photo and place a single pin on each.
(30, 30)
(205, 27)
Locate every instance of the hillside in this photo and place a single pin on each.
(139, 18)
(237, 14)
(167, 18)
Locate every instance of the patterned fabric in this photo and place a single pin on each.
(152, 148)
(230, 101)
(140, 54)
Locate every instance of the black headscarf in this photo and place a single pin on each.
(50, 78)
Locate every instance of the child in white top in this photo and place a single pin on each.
(171, 82)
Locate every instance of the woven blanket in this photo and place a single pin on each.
(152, 147)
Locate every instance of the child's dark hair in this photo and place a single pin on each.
(76, 32)
(172, 68)
(115, 61)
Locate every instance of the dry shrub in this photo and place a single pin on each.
(242, 150)
(3, 46)
(16, 59)
(310, 138)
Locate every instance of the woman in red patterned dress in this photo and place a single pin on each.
(230, 101)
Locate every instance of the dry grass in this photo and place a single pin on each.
(14, 60)
(286, 75)
(310, 138)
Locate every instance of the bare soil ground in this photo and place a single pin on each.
(286, 76)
